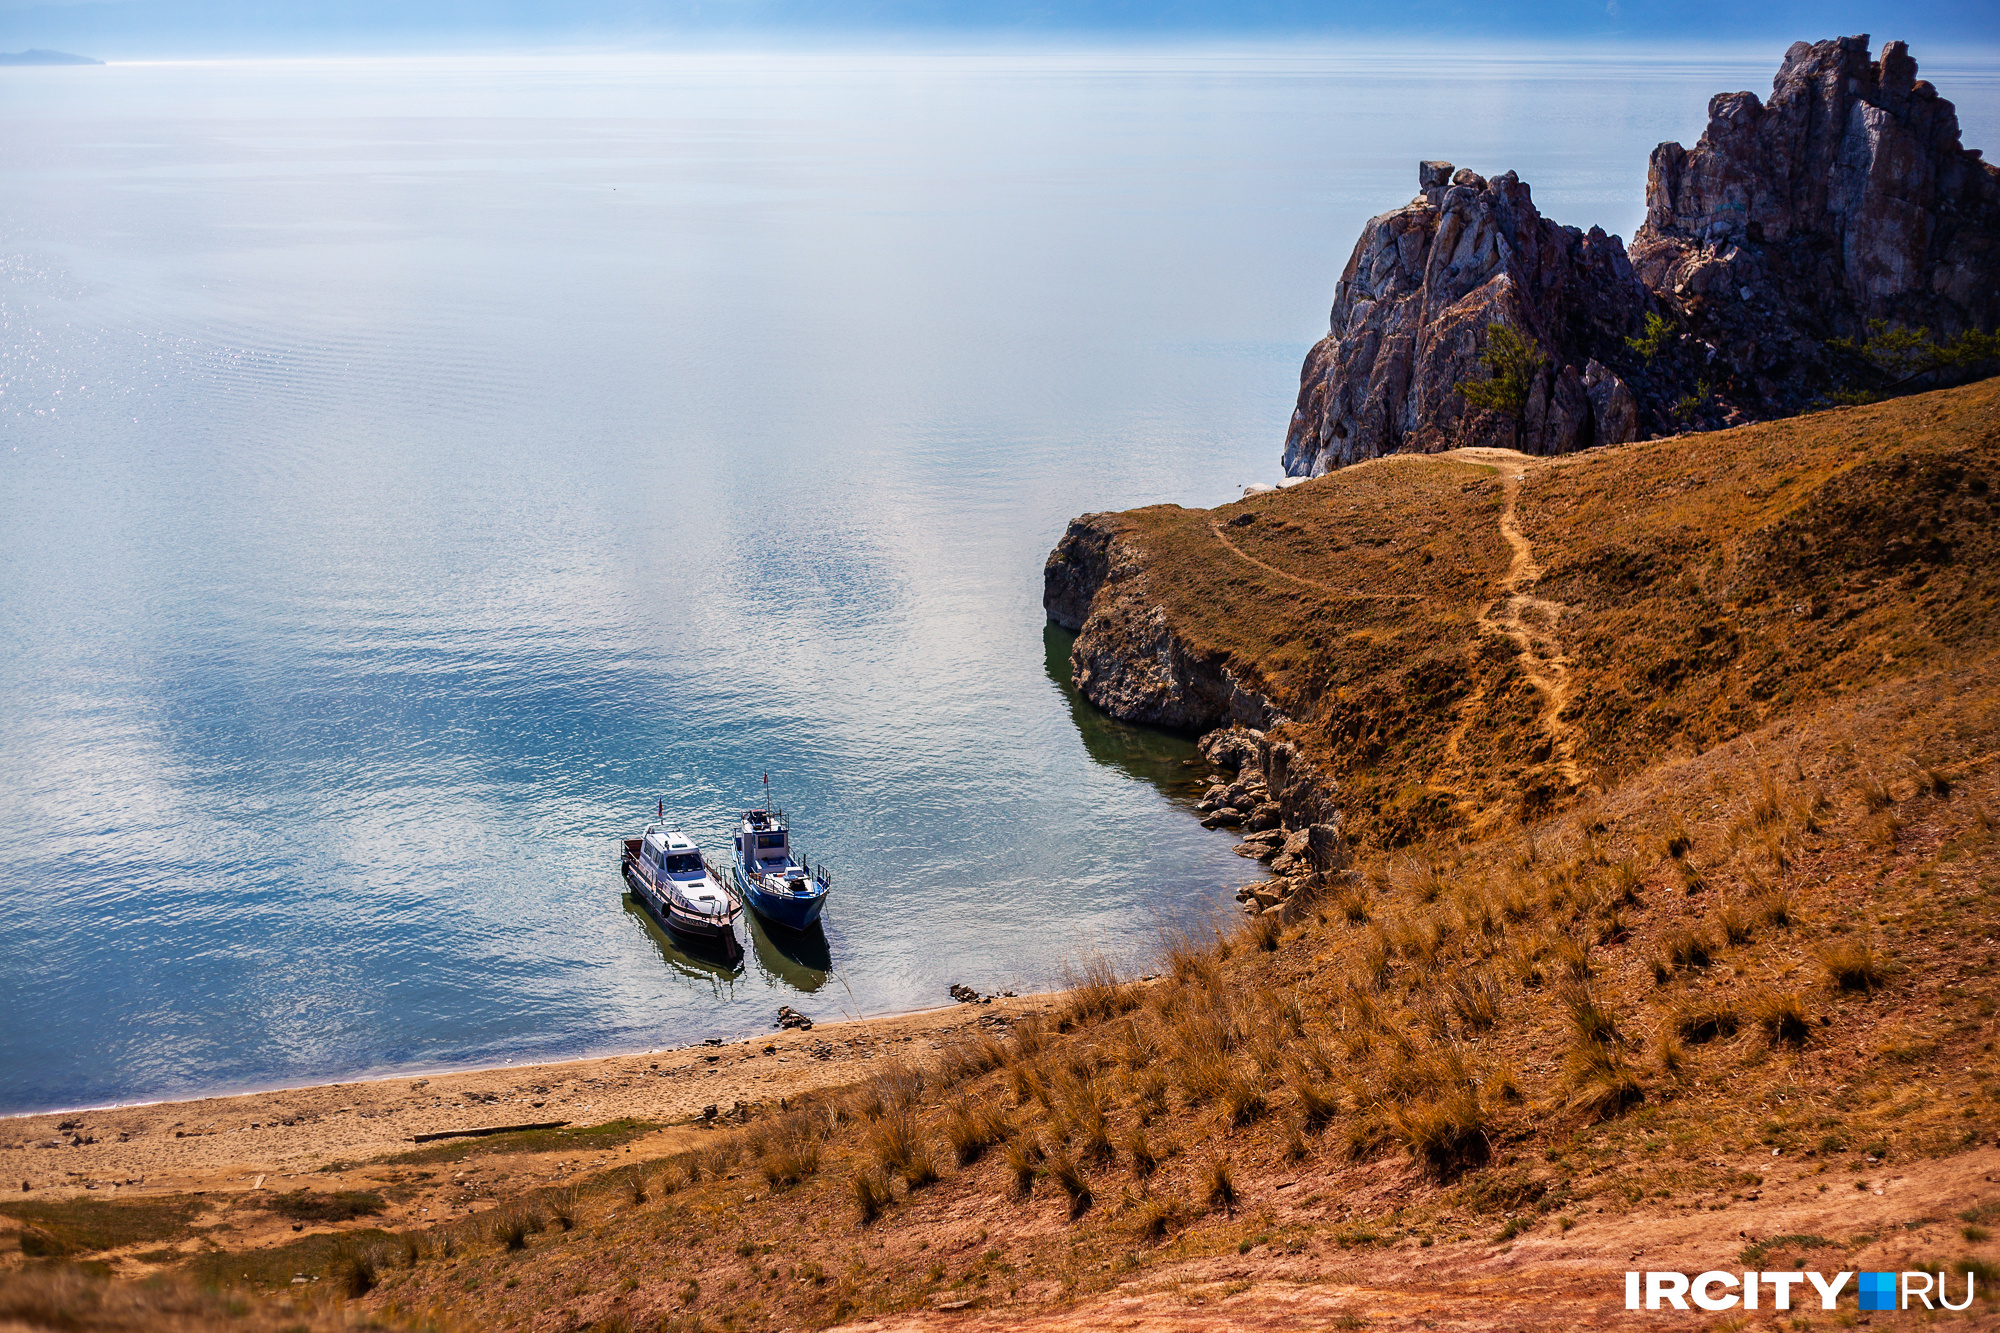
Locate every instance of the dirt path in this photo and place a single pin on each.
(1527, 621)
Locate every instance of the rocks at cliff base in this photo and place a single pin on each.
(789, 1017)
(1845, 198)
(967, 995)
(1231, 747)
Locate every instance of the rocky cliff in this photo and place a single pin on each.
(1846, 198)
(1843, 199)
(1410, 321)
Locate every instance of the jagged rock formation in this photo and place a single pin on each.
(1846, 198)
(1409, 325)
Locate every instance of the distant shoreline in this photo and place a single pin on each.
(37, 57)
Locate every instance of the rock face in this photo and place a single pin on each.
(1410, 317)
(1845, 198)
(1126, 659)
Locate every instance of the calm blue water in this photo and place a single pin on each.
(410, 471)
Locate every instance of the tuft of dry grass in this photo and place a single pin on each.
(1140, 1150)
(1700, 1020)
(1155, 1217)
(968, 1059)
(1218, 1184)
(1589, 1020)
(1351, 904)
(1094, 993)
(1881, 830)
(1444, 1127)
(1264, 932)
(1773, 907)
(1296, 1149)
(1600, 1081)
(790, 1153)
(1317, 1105)
(871, 1193)
(1024, 1160)
(1243, 1099)
(1676, 840)
(1852, 965)
(1734, 924)
(1681, 947)
(1476, 1000)
(1067, 1172)
(1782, 1016)
(1189, 960)
(973, 1129)
(353, 1270)
(898, 1145)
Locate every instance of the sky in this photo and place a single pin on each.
(143, 29)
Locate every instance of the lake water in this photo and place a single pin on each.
(413, 470)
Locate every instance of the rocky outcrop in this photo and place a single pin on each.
(1846, 198)
(1127, 659)
(1410, 319)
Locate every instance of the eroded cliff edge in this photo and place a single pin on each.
(1846, 197)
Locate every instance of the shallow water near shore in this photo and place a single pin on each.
(416, 469)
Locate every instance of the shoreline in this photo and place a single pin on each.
(446, 1071)
(232, 1142)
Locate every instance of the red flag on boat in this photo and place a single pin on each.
(663, 807)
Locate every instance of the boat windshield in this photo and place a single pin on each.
(683, 863)
(766, 841)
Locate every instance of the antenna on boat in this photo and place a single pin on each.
(767, 793)
(663, 807)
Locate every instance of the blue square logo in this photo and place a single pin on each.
(1878, 1291)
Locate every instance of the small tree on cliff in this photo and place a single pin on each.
(1897, 358)
(1511, 366)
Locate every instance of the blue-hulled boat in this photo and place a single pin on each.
(671, 879)
(780, 889)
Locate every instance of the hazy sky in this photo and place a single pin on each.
(137, 29)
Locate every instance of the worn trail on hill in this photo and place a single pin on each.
(1527, 621)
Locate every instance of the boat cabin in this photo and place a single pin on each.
(670, 853)
(764, 845)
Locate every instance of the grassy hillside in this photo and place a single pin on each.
(1689, 589)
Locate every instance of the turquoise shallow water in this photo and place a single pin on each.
(410, 471)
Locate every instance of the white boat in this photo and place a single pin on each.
(671, 879)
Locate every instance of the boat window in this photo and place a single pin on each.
(681, 863)
(770, 840)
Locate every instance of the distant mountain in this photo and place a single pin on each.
(44, 58)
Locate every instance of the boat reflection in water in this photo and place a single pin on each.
(719, 962)
(802, 960)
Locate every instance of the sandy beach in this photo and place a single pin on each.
(267, 1140)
